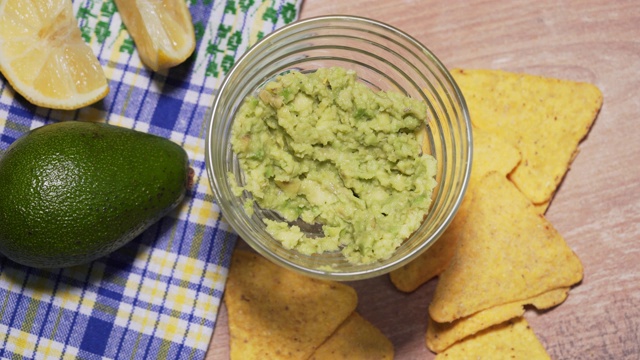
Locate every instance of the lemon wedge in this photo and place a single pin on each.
(43, 55)
(161, 29)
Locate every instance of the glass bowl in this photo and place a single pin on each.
(385, 58)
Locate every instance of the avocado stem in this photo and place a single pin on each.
(190, 175)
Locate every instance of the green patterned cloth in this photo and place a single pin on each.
(157, 297)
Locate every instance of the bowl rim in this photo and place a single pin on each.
(383, 268)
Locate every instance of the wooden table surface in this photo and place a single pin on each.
(597, 207)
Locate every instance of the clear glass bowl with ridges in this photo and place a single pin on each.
(385, 58)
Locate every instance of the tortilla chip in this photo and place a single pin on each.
(430, 263)
(490, 153)
(542, 208)
(275, 313)
(544, 118)
(506, 252)
(355, 339)
(511, 340)
(550, 299)
(442, 335)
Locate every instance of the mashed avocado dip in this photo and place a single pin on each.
(325, 149)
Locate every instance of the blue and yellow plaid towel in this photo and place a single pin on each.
(158, 297)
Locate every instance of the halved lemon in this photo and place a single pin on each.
(161, 29)
(43, 55)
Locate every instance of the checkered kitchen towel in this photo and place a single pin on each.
(157, 297)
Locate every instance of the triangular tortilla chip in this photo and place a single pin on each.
(490, 153)
(355, 339)
(511, 340)
(275, 313)
(545, 118)
(506, 252)
(442, 335)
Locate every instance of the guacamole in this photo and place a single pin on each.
(323, 148)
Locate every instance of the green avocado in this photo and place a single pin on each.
(72, 191)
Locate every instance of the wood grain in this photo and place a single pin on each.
(597, 207)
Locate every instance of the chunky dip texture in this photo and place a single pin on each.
(323, 148)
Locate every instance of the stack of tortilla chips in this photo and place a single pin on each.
(497, 257)
(500, 254)
(275, 313)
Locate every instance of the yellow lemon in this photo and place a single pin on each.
(161, 29)
(43, 55)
